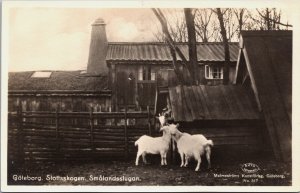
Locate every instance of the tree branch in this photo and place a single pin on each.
(272, 20)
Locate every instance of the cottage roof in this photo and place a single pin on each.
(267, 56)
(155, 51)
(58, 80)
(222, 102)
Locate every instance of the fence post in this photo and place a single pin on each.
(126, 134)
(20, 135)
(92, 129)
(149, 121)
(57, 131)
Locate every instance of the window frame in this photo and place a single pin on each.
(146, 73)
(208, 72)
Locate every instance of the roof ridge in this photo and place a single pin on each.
(259, 33)
(46, 71)
(163, 43)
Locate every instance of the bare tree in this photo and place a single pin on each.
(220, 15)
(190, 24)
(176, 25)
(268, 19)
(188, 65)
(242, 17)
(206, 27)
(173, 48)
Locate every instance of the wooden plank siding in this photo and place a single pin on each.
(271, 75)
(233, 135)
(64, 103)
(65, 142)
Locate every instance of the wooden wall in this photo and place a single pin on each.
(167, 77)
(233, 132)
(64, 103)
(133, 93)
(139, 96)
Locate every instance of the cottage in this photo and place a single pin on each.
(136, 69)
(124, 73)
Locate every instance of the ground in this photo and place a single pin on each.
(126, 173)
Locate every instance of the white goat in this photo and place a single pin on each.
(162, 119)
(154, 145)
(166, 113)
(191, 146)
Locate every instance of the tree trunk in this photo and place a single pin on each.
(169, 40)
(268, 19)
(193, 63)
(174, 49)
(226, 47)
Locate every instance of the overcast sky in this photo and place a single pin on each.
(59, 38)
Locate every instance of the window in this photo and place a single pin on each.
(141, 73)
(41, 74)
(146, 73)
(153, 75)
(213, 72)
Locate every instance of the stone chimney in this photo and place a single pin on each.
(98, 49)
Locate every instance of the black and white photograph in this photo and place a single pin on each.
(149, 96)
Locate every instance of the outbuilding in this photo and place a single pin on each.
(265, 66)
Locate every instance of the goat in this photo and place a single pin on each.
(154, 145)
(191, 146)
(162, 119)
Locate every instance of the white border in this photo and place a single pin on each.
(292, 5)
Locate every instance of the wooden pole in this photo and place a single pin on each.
(92, 129)
(173, 150)
(149, 121)
(57, 130)
(20, 135)
(126, 134)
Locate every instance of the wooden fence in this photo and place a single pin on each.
(59, 136)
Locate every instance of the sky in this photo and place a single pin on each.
(43, 38)
(59, 38)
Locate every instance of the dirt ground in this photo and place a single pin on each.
(126, 173)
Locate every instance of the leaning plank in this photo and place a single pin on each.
(179, 105)
(192, 112)
(173, 101)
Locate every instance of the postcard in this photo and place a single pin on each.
(149, 96)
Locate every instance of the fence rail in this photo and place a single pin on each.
(56, 136)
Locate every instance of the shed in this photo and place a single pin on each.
(265, 65)
(67, 90)
(227, 114)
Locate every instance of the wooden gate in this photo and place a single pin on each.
(97, 136)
